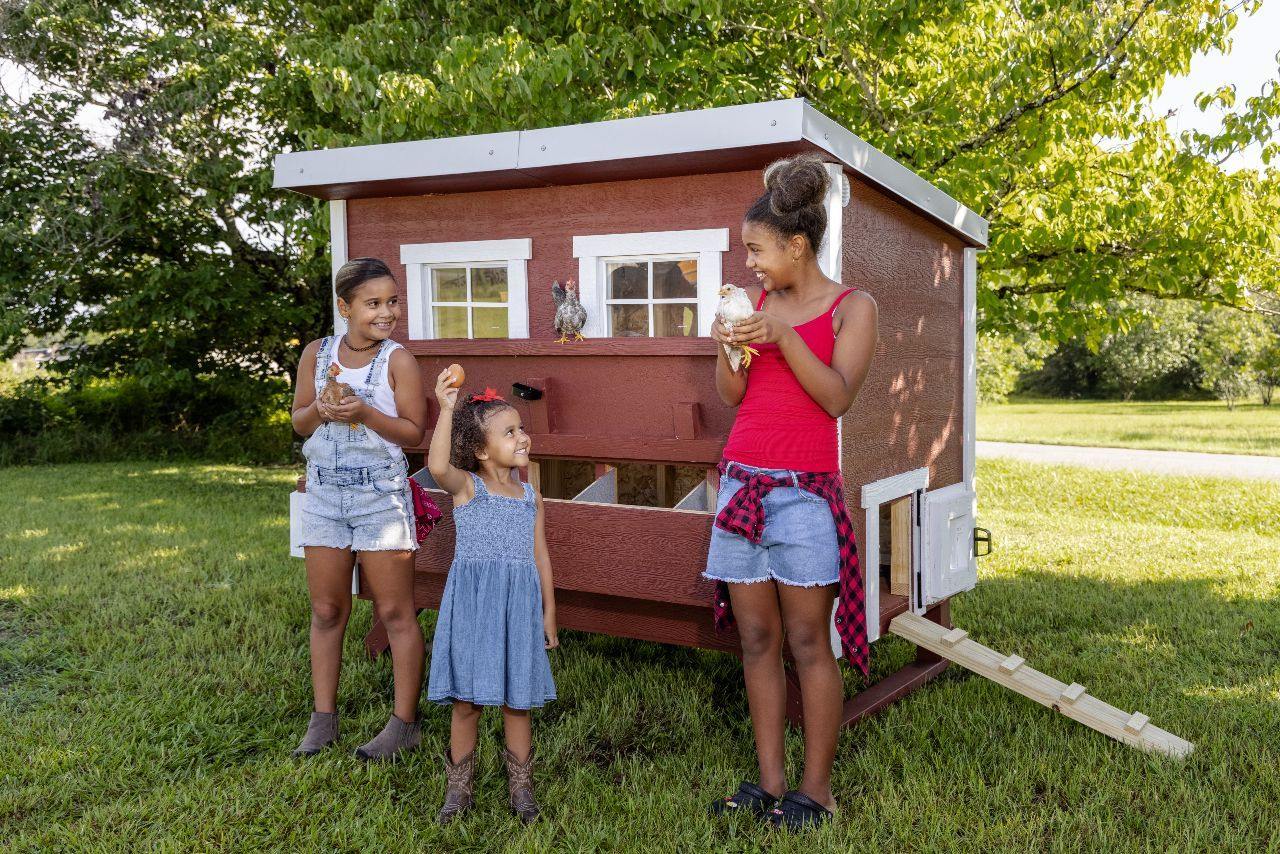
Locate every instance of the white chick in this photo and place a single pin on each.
(734, 307)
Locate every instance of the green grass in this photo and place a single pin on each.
(1172, 426)
(153, 677)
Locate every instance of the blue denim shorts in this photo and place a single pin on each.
(364, 510)
(798, 546)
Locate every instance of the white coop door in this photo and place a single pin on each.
(946, 546)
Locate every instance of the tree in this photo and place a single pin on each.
(1266, 365)
(1160, 342)
(1230, 342)
(162, 249)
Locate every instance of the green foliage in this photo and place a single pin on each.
(1229, 344)
(1266, 364)
(1002, 359)
(234, 420)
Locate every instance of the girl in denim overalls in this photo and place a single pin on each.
(358, 498)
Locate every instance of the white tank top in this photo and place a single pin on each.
(383, 397)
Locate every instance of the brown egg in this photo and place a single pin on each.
(458, 376)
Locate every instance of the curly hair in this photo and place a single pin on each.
(793, 199)
(469, 439)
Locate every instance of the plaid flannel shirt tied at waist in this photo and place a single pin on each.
(744, 515)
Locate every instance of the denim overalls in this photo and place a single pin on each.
(358, 494)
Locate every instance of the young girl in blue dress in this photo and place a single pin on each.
(498, 614)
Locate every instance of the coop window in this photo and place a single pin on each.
(656, 297)
(470, 289)
(653, 283)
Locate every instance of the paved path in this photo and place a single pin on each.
(1164, 462)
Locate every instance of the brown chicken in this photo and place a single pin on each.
(334, 391)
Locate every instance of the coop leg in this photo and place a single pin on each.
(901, 682)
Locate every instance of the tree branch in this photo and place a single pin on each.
(1056, 93)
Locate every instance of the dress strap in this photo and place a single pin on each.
(760, 302)
(481, 489)
(839, 300)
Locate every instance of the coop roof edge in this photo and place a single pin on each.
(539, 157)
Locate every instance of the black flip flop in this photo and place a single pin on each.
(749, 797)
(797, 811)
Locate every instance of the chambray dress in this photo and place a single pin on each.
(489, 647)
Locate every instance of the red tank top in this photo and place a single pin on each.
(779, 426)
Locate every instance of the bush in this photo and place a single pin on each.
(229, 420)
(1002, 359)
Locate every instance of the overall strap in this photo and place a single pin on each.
(323, 360)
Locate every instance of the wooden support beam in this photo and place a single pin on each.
(900, 547)
(1071, 700)
(954, 637)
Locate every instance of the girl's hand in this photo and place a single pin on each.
(760, 328)
(352, 410)
(719, 333)
(446, 394)
(549, 629)
(324, 411)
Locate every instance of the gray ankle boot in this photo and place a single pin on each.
(321, 732)
(457, 793)
(396, 737)
(520, 786)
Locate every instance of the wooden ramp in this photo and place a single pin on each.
(1012, 672)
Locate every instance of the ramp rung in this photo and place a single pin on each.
(1012, 663)
(1136, 722)
(1011, 671)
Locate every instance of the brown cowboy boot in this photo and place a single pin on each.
(457, 794)
(520, 784)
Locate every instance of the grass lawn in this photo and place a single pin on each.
(153, 677)
(1173, 426)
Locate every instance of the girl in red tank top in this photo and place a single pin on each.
(782, 528)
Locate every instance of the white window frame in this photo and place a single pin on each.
(707, 245)
(420, 259)
(648, 261)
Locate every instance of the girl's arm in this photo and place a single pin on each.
(834, 387)
(451, 478)
(409, 426)
(308, 412)
(543, 559)
(731, 385)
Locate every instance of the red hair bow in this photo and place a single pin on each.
(490, 395)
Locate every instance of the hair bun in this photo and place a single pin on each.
(796, 182)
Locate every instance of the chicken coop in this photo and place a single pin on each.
(643, 217)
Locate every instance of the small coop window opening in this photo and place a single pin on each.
(650, 283)
(468, 289)
(654, 297)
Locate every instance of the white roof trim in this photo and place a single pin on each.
(716, 129)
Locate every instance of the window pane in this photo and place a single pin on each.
(450, 321)
(675, 319)
(449, 285)
(489, 322)
(488, 284)
(675, 279)
(629, 321)
(628, 281)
